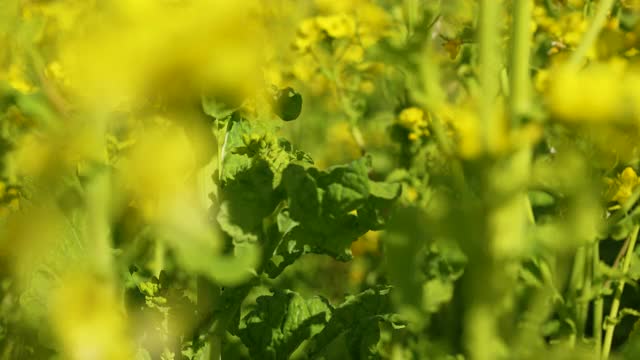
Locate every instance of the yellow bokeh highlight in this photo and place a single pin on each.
(87, 321)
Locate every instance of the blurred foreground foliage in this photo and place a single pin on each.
(416, 179)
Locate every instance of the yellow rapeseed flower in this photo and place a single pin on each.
(337, 26)
(414, 120)
(309, 33)
(621, 188)
(353, 54)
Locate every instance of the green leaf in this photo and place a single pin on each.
(246, 200)
(303, 193)
(331, 209)
(354, 326)
(217, 108)
(384, 190)
(281, 322)
(346, 186)
(541, 198)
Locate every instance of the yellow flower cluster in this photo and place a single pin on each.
(621, 188)
(566, 30)
(414, 120)
(351, 28)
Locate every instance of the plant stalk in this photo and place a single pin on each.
(489, 73)
(610, 324)
(520, 59)
(599, 19)
(598, 305)
(576, 284)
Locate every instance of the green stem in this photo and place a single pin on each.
(482, 336)
(410, 16)
(209, 293)
(98, 195)
(433, 99)
(586, 292)
(519, 79)
(158, 257)
(489, 72)
(610, 324)
(520, 58)
(598, 305)
(590, 37)
(98, 200)
(551, 9)
(577, 286)
(356, 134)
(208, 299)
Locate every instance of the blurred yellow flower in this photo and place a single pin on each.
(154, 184)
(594, 95)
(308, 34)
(305, 67)
(414, 120)
(18, 79)
(367, 244)
(353, 54)
(86, 320)
(337, 26)
(374, 23)
(58, 151)
(567, 29)
(133, 51)
(464, 123)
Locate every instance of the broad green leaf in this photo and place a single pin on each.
(303, 193)
(354, 325)
(346, 187)
(246, 200)
(384, 190)
(281, 322)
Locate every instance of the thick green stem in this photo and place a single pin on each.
(208, 298)
(598, 305)
(482, 337)
(489, 73)
(209, 293)
(98, 196)
(577, 286)
(585, 294)
(590, 37)
(610, 324)
(520, 58)
(98, 202)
